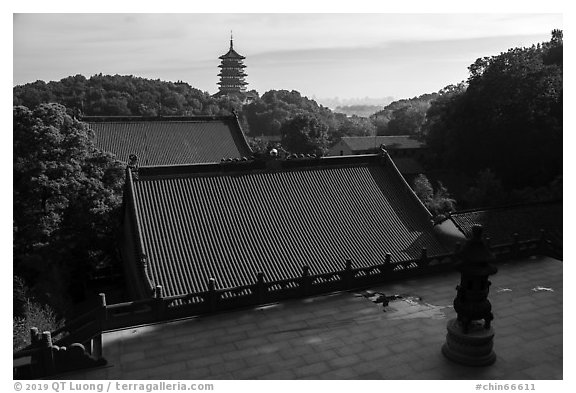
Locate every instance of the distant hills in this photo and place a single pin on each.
(359, 110)
(336, 102)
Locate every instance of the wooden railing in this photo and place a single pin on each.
(88, 328)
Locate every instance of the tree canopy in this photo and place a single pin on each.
(65, 195)
(403, 117)
(507, 118)
(266, 115)
(305, 135)
(123, 95)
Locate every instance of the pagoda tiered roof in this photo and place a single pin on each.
(231, 54)
(232, 73)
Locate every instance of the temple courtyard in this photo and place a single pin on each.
(352, 335)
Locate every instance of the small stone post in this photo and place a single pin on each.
(424, 257)
(260, 289)
(470, 336)
(542, 243)
(212, 294)
(516, 245)
(348, 275)
(387, 266)
(305, 281)
(34, 336)
(96, 342)
(159, 304)
(48, 365)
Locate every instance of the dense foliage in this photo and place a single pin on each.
(266, 115)
(117, 95)
(403, 117)
(508, 118)
(438, 202)
(305, 135)
(29, 313)
(66, 194)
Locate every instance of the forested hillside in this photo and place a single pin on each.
(504, 126)
(117, 95)
(403, 117)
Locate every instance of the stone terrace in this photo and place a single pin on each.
(348, 336)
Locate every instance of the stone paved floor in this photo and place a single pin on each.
(348, 336)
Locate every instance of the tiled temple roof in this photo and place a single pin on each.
(365, 143)
(170, 140)
(526, 220)
(231, 220)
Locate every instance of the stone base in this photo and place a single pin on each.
(471, 349)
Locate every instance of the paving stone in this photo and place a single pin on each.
(132, 356)
(280, 336)
(205, 361)
(398, 371)
(292, 352)
(280, 375)
(339, 374)
(255, 372)
(311, 369)
(228, 367)
(371, 376)
(257, 359)
(252, 342)
(162, 371)
(380, 353)
(403, 346)
(317, 356)
(344, 361)
(239, 354)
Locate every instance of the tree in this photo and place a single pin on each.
(29, 313)
(66, 196)
(486, 191)
(266, 115)
(509, 117)
(305, 134)
(259, 146)
(423, 189)
(437, 202)
(403, 117)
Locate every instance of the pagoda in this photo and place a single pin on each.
(232, 73)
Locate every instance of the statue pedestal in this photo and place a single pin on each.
(473, 348)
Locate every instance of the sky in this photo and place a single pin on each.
(345, 55)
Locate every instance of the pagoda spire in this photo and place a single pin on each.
(231, 39)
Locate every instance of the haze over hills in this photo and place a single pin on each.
(334, 102)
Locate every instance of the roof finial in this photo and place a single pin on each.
(231, 38)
